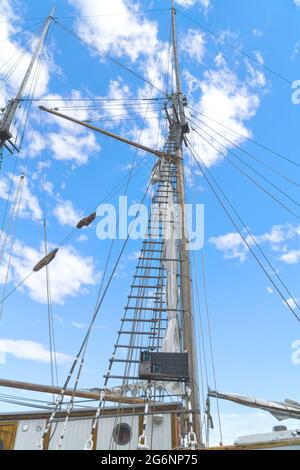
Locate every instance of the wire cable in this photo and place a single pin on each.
(238, 49)
(202, 166)
(227, 159)
(115, 61)
(264, 147)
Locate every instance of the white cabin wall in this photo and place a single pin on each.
(159, 432)
(105, 430)
(77, 433)
(29, 440)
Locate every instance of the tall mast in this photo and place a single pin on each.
(185, 269)
(6, 122)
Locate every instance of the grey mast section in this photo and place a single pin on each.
(12, 106)
(185, 271)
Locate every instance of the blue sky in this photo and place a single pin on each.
(252, 329)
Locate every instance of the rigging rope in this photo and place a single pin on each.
(89, 443)
(264, 147)
(202, 166)
(115, 61)
(86, 337)
(51, 332)
(227, 159)
(269, 167)
(211, 341)
(15, 212)
(238, 49)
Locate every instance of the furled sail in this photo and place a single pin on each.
(288, 409)
(169, 219)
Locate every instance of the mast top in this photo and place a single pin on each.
(175, 51)
(52, 12)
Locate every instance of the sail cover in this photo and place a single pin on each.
(171, 339)
(168, 214)
(280, 410)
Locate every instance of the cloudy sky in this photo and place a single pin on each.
(69, 171)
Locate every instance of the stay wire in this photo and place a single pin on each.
(238, 49)
(253, 157)
(115, 61)
(264, 147)
(51, 332)
(201, 166)
(211, 342)
(83, 344)
(227, 159)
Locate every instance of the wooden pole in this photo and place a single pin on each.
(157, 153)
(92, 395)
(185, 269)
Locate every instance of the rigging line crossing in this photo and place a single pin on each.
(210, 340)
(157, 10)
(12, 176)
(242, 236)
(102, 402)
(15, 213)
(122, 100)
(115, 61)
(35, 80)
(238, 49)
(14, 206)
(227, 159)
(51, 332)
(20, 31)
(20, 53)
(202, 361)
(269, 167)
(59, 400)
(268, 149)
(113, 241)
(249, 233)
(68, 237)
(245, 163)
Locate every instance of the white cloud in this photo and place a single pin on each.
(79, 325)
(82, 238)
(232, 245)
(297, 3)
(29, 204)
(292, 303)
(278, 239)
(204, 4)
(131, 34)
(193, 44)
(10, 48)
(31, 351)
(69, 141)
(84, 326)
(228, 100)
(66, 214)
(270, 290)
(70, 273)
(292, 257)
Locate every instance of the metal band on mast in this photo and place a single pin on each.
(185, 270)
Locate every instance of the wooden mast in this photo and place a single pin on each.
(6, 122)
(185, 270)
